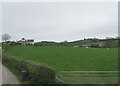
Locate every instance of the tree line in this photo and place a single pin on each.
(90, 42)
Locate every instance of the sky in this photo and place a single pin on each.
(59, 21)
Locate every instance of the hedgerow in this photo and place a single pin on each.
(36, 73)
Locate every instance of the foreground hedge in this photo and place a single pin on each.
(36, 73)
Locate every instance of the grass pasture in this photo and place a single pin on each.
(89, 77)
(72, 64)
(69, 58)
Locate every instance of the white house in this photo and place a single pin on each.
(30, 41)
(24, 41)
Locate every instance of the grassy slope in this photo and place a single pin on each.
(69, 58)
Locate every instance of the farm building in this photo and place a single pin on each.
(24, 41)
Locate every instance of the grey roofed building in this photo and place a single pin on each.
(30, 41)
(24, 41)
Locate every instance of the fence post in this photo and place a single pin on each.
(24, 75)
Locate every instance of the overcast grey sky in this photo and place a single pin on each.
(59, 21)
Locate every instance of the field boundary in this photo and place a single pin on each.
(34, 73)
(90, 71)
(89, 77)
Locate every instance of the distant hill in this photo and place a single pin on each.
(103, 43)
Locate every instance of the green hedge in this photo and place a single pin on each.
(36, 73)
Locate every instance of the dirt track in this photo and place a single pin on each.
(8, 77)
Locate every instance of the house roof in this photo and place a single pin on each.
(24, 40)
(30, 40)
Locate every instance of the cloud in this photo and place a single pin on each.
(60, 21)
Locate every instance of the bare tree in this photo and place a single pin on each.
(6, 37)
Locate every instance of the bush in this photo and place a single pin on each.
(95, 45)
(37, 73)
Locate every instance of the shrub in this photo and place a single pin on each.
(37, 73)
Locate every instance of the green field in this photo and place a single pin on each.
(69, 58)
